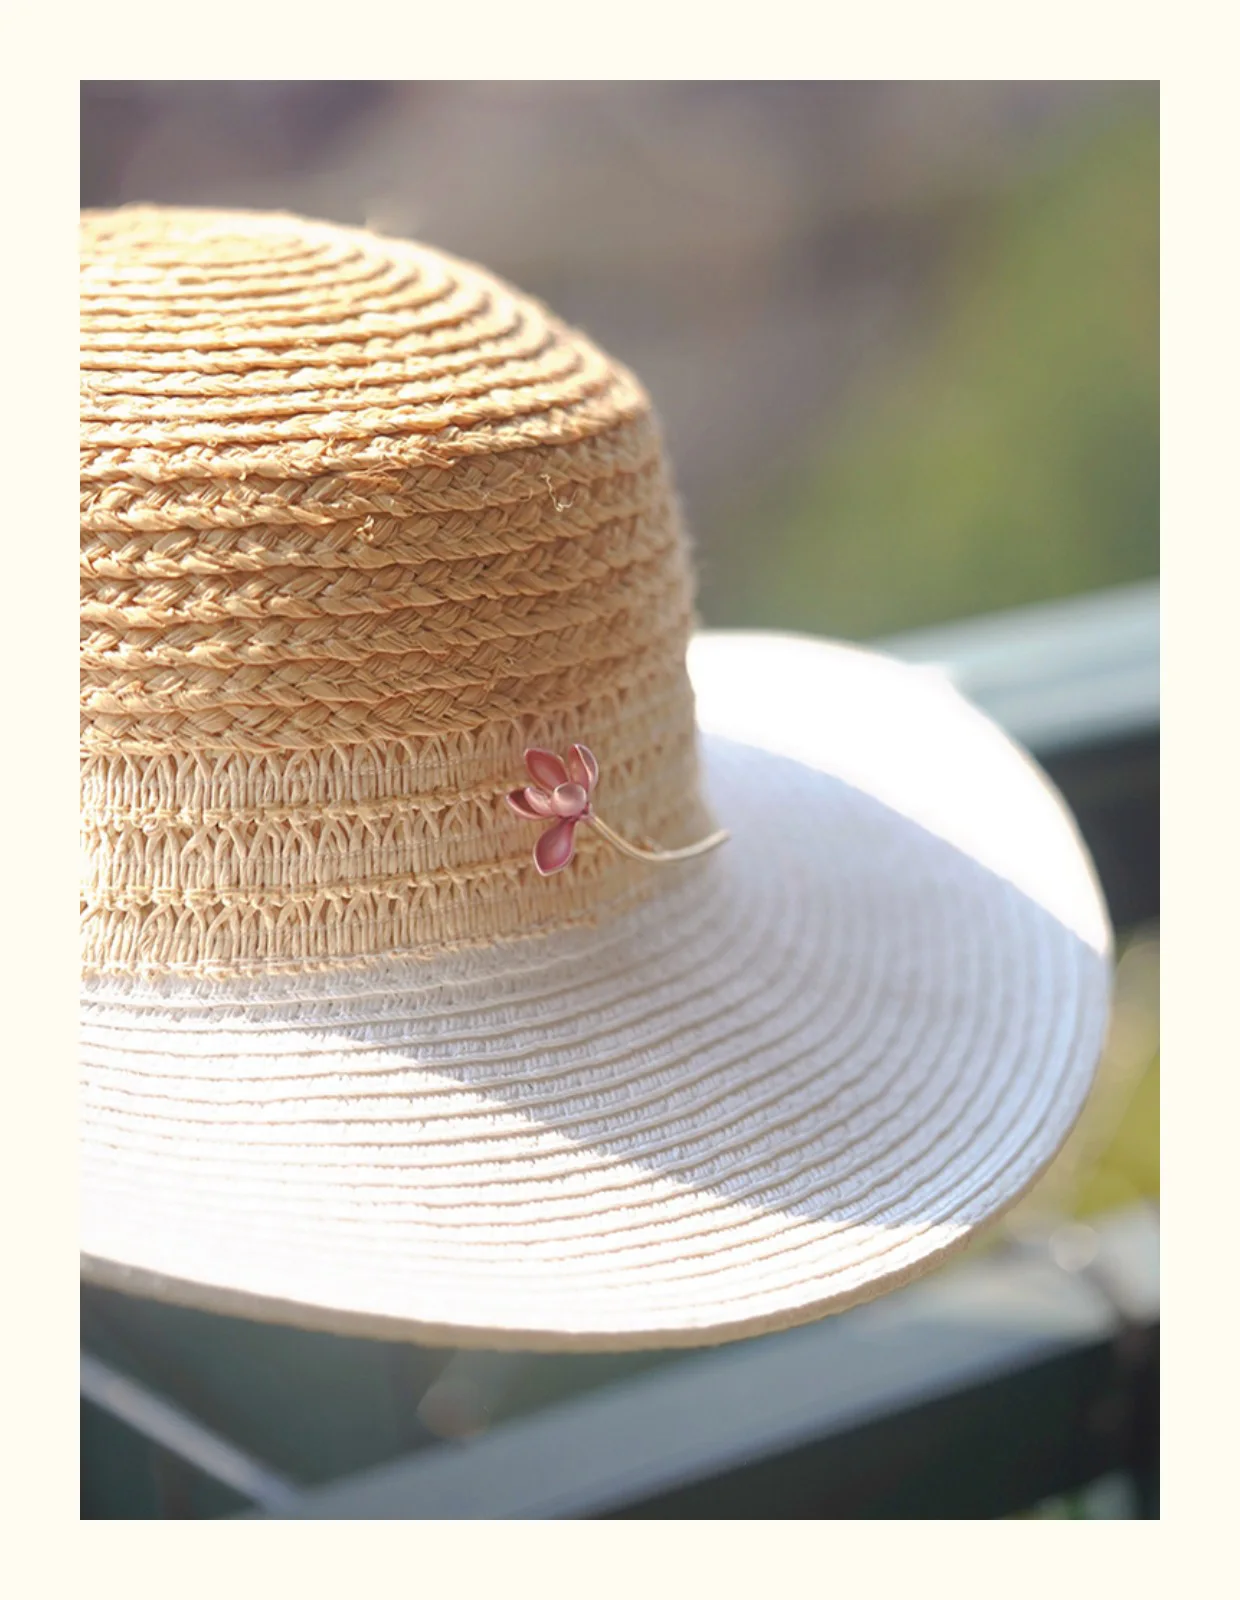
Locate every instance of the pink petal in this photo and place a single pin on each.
(582, 767)
(539, 801)
(555, 847)
(570, 800)
(545, 768)
(529, 802)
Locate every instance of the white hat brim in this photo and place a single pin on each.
(812, 1065)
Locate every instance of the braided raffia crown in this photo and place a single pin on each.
(359, 524)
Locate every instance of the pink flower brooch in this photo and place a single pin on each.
(560, 794)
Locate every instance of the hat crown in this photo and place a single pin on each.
(359, 523)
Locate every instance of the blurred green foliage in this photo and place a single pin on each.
(1128, 1170)
(1015, 459)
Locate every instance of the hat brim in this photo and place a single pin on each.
(807, 1069)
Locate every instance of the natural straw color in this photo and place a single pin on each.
(358, 524)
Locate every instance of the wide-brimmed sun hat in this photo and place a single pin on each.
(449, 975)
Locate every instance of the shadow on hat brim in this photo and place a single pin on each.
(806, 1071)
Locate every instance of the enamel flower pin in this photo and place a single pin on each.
(560, 795)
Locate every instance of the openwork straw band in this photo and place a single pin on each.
(359, 525)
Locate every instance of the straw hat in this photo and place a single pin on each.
(361, 527)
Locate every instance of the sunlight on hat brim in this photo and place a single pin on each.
(807, 1069)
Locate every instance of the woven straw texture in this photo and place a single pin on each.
(816, 1063)
(358, 524)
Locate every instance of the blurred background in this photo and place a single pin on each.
(903, 338)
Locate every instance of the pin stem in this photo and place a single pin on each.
(686, 853)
